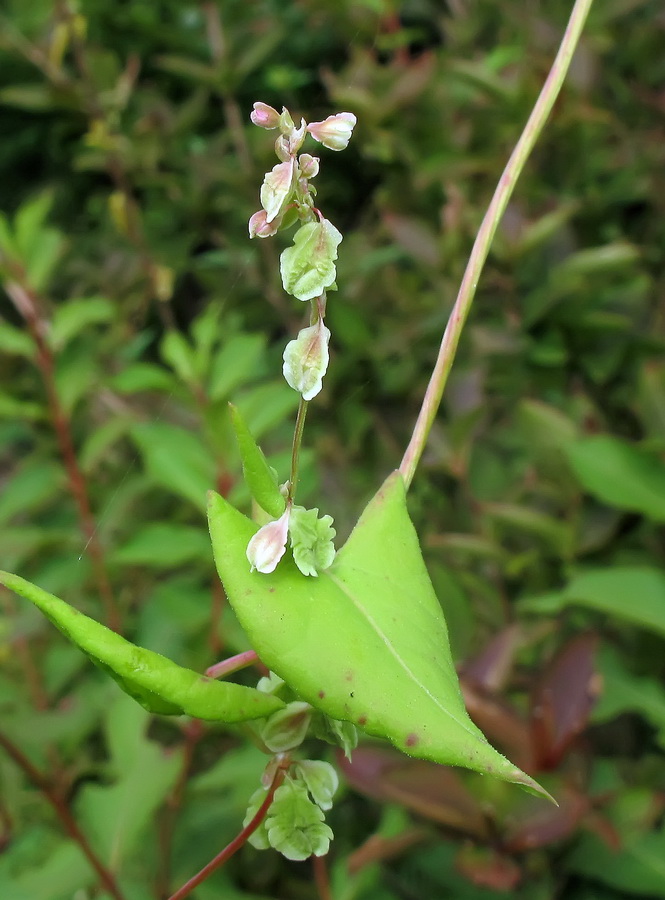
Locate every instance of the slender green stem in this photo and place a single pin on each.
(495, 211)
(295, 453)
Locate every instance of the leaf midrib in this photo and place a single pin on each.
(389, 646)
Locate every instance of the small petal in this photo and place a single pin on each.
(265, 116)
(335, 131)
(268, 545)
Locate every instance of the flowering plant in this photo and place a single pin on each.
(355, 639)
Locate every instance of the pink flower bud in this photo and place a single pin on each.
(335, 131)
(264, 116)
(260, 227)
(309, 165)
(268, 545)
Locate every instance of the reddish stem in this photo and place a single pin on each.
(193, 734)
(232, 664)
(321, 878)
(27, 304)
(64, 814)
(239, 840)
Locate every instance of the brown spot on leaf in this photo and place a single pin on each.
(321, 695)
(411, 740)
(362, 721)
(271, 590)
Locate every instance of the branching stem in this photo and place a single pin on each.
(495, 211)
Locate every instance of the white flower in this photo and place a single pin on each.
(268, 545)
(335, 131)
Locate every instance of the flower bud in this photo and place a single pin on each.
(259, 227)
(264, 116)
(286, 123)
(335, 131)
(306, 360)
(268, 545)
(309, 165)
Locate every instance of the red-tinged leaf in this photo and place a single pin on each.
(486, 868)
(431, 791)
(501, 723)
(530, 825)
(491, 668)
(563, 699)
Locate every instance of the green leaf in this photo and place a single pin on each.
(73, 317)
(366, 642)
(630, 594)
(266, 406)
(625, 692)
(61, 874)
(637, 868)
(620, 474)
(15, 341)
(176, 459)
(143, 377)
(116, 816)
(259, 477)
(239, 361)
(179, 354)
(155, 682)
(308, 267)
(164, 546)
(30, 220)
(33, 486)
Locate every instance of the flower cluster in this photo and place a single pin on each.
(308, 266)
(308, 271)
(311, 540)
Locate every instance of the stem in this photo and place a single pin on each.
(26, 302)
(64, 814)
(193, 734)
(321, 878)
(295, 453)
(232, 664)
(238, 841)
(481, 246)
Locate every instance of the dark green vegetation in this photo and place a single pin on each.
(134, 307)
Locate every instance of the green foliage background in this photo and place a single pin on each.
(128, 171)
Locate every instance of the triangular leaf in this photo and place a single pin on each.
(155, 682)
(366, 641)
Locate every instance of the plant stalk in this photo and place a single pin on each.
(295, 452)
(481, 246)
(237, 842)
